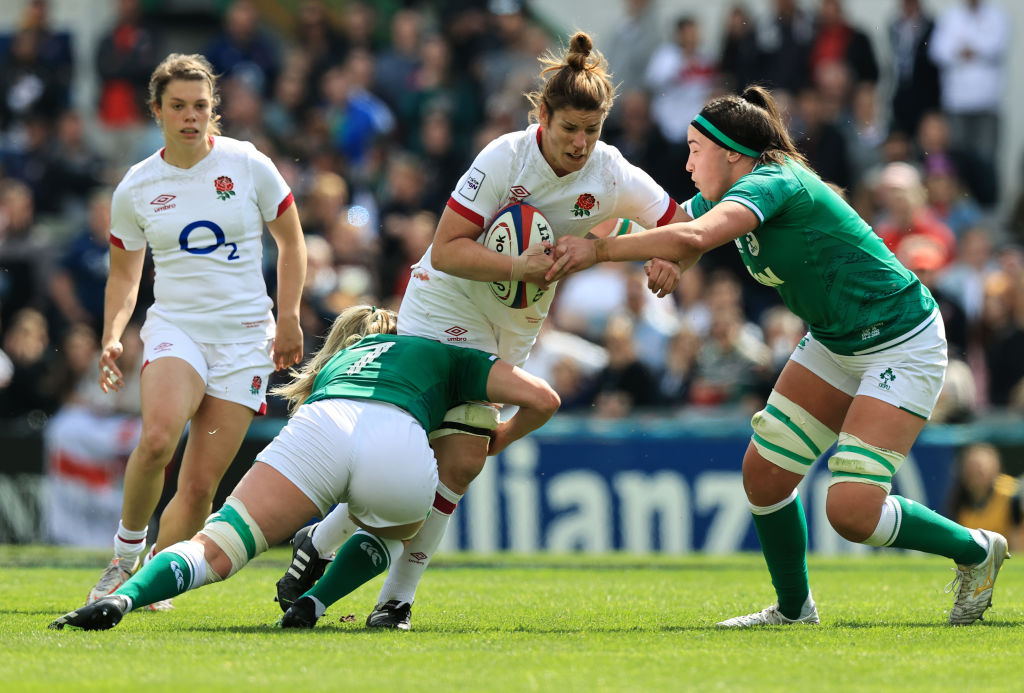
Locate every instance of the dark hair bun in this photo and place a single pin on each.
(579, 50)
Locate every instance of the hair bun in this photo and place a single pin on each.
(579, 50)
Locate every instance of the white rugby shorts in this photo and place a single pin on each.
(371, 455)
(909, 374)
(233, 372)
(440, 310)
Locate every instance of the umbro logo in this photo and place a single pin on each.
(162, 202)
(163, 346)
(456, 331)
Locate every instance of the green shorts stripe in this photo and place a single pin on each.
(806, 461)
(784, 418)
(871, 455)
(231, 516)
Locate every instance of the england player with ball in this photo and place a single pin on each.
(211, 341)
(466, 293)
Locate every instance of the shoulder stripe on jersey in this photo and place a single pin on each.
(466, 212)
(669, 213)
(746, 203)
(688, 208)
(114, 240)
(285, 203)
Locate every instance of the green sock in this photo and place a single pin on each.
(360, 559)
(783, 536)
(923, 529)
(173, 571)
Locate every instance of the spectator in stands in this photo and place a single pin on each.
(243, 50)
(738, 61)
(1002, 337)
(947, 198)
(782, 42)
(632, 38)
(654, 321)
(925, 258)
(984, 496)
(625, 384)
(675, 377)
(916, 90)
(820, 138)
(964, 280)
(80, 277)
(730, 365)
(978, 175)
(970, 45)
(73, 170)
(836, 41)
(125, 58)
(905, 213)
(26, 342)
(397, 63)
(25, 252)
(319, 41)
(681, 76)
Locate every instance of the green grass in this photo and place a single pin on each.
(540, 623)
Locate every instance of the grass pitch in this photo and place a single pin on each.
(535, 623)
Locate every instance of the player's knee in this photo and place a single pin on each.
(236, 534)
(156, 446)
(847, 521)
(196, 492)
(787, 436)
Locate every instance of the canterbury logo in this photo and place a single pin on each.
(372, 552)
(178, 576)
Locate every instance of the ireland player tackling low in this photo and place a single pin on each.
(866, 376)
(361, 409)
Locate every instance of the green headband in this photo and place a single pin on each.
(720, 138)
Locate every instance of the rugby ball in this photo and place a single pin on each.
(513, 230)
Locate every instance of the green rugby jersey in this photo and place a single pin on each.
(828, 265)
(421, 376)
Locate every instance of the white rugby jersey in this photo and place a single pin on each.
(512, 169)
(204, 226)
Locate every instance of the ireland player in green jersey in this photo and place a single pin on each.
(865, 377)
(361, 410)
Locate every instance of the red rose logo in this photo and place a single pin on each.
(225, 187)
(257, 382)
(584, 203)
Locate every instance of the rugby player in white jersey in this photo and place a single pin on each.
(211, 341)
(581, 185)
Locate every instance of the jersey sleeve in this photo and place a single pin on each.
(471, 368)
(125, 231)
(642, 199)
(272, 192)
(763, 191)
(478, 192)
(696, 206)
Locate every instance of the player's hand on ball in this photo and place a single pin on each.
(536, 261)
(662, 276)
(572, 254)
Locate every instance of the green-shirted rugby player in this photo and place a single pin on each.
(360, 412)
(866, 376)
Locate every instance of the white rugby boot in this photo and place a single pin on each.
(114, 575)
(773, 617)
(976, 582)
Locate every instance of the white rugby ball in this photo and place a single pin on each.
(513, 230)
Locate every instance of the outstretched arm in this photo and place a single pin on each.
(537, 403)
(682, 242)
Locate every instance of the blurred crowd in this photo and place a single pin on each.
(373, 110)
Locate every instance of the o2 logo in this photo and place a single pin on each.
(218, 237)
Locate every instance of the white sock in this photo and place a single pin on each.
(318, 606)
(333, 531)
(888, 524)
(149, 555)
(129, 543)
(406, 573)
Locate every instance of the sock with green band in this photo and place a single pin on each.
(782, 531)
(173, 571)
(360, 559)
(923, 529)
